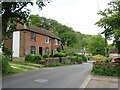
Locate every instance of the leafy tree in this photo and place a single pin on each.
(12, 10)
(111, 21)
(96, 45)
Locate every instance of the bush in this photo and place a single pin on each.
(33, 58)
(60, 54)
(37, 58)
(106, 69)
(76, 59)
(82, 56)
(6, 68)
(99, 58)
(45, 56)
(29, 57)
(108, 59)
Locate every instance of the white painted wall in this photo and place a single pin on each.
(16, 43)
(113, 54)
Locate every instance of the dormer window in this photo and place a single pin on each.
(33, 36)
(56, 42)
(47, 39)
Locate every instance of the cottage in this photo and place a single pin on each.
(32, 39)
(113, 52)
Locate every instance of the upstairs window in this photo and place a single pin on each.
(33, 36)
(33, 50)
(56, 42)
(47, 39)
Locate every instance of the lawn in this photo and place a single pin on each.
(24, 66)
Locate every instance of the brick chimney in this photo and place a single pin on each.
(51, 30)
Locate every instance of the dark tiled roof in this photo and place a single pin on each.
(113, 51)
(37, 30)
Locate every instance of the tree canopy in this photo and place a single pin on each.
(111, 21)
(13, 10)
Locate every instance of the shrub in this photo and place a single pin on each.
(45, 56)
(99, 58)
(29, 57)
(37, 58)
(106, 69)
(6, 68)
(33, 58)
(108, 59)
(76, 59)
(82, 56)
(7, 52)
(60, 54)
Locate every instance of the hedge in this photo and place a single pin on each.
(33, 58)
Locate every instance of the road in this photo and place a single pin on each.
(71, 76)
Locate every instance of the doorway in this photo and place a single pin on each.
(40, 50)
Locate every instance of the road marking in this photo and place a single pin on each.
(86, 81)
(41, 80)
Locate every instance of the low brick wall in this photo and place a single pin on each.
(18, 58)
(55, 60)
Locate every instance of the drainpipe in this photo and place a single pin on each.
(24, 43)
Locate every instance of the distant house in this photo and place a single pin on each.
(32, 40)
(113, 53)
(83, 51)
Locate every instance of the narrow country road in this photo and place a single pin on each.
(71, 76)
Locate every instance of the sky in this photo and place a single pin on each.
(81, 15)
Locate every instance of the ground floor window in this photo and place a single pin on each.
(33, 50)
(47, 51)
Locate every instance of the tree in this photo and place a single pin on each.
(96, 45)
(12, 10)
(111, 21)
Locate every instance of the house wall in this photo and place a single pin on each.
(21, 43)
(26, 43)
(113, 54)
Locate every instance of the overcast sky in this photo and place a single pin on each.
(81, 15)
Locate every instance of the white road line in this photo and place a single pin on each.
(86, 81)
(41, 80)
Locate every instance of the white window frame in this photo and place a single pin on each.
(56, 42)
(47, 41)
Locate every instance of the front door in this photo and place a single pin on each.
(40, 50)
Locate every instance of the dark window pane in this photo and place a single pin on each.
(47, 51)
(33, 36)
(33, 49)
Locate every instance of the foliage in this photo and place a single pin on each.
(76, 59)
(106, 69)
(96, 45)
(7, 52)
(60, 54)
(45, 56)
(12, 10)
(99, 58)
(110, 21)
(73, 40)
(6, 68)
(29, 57)
(82, 56)
(37, 58)
(33, 58)
(109, 59)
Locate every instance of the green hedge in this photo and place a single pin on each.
(76, 59)
(60, 54)
(6, 68)
(33, 58)
(106, 69)
(84, 58)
